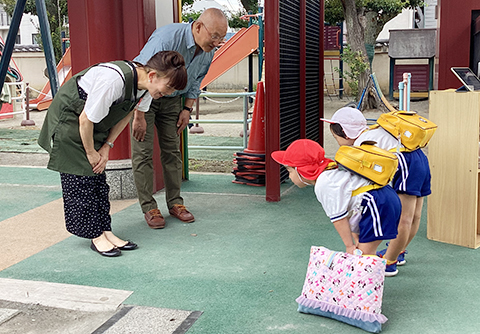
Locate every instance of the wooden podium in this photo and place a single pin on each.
(453, 152)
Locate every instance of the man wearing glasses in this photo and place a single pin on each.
(196, 42)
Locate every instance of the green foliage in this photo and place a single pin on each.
(234, 18)
(334, 12)
(390, 6)
(386, 9)
(357, 64)
(192, 15)
(250, 5)
(56, 11)
(236, 22)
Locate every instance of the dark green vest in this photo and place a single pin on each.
(60, 134)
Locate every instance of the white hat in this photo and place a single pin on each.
(350, 119)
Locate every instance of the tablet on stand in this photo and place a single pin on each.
(470, 81)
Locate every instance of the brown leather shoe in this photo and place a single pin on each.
(180, 211)
(155, 219)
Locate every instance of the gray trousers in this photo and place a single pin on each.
(163, 115)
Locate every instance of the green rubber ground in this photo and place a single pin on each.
(243, 261)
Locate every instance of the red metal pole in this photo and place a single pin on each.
(321, 69)
(109, 30)
(272, 98)
(303, 71)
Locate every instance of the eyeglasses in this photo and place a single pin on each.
(213, 36)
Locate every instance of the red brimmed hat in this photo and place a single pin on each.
(306, 155)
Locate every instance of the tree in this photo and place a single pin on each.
(250, 5)
(186, 17)
(234, 20)
(56, 11)
(365, 20)
(187, 2)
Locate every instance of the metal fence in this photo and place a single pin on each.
(245, 121)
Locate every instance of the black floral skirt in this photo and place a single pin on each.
(86, 204)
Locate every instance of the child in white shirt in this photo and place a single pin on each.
(373, 214)
(411, 181)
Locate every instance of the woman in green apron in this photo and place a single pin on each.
(85, 117)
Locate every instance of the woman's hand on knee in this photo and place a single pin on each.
(102, 162)
(93, 158)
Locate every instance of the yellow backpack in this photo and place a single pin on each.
(369, 161)
(414, 130)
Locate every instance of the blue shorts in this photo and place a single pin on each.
(413, 174)
(381, 210)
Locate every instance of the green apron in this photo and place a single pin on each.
(60, 134)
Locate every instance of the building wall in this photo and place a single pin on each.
(430, 9)
(403, 20)
(381, 68)
(453, 40)
(27, 29)
(236, 78)
(32, 67)
(164, 12)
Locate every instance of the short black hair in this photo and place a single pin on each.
(338, 130)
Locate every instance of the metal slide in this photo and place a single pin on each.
(64, 70)
(239, 46)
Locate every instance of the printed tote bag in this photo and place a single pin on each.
(345, 287)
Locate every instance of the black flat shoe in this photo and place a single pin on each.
(109, 253)
(129, 246)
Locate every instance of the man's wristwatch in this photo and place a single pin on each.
(188, 108)
(109, 144)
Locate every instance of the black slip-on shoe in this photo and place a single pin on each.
(109, 253)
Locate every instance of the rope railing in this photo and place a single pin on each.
(47, 95)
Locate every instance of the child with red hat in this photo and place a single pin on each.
(411, 181)
(372, 215)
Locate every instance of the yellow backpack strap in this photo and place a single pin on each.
(365, 189)
(400, 149)
(393, 150)
(332, 165)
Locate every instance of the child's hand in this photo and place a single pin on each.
(351, 249)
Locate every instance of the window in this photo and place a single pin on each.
(4, 18)
(35, 38)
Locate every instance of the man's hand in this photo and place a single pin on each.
(139, 128)
(183, 120)
(139, 125)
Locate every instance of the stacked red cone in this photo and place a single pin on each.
(250, 168)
